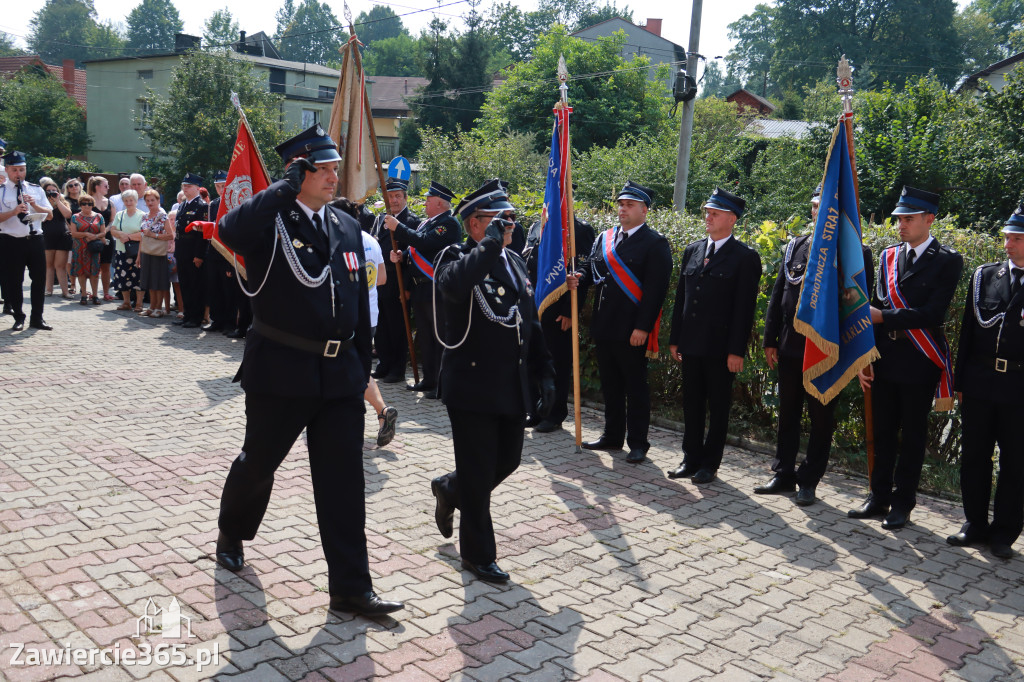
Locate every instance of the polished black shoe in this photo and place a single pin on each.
(1001, 550)
(378, 374)
(532, 421)
(229, 553)
(779, 485)
(423, 385)
(18, 325)
(805, 496)
(392, 378)
(213, 327)
(368, 604)
(236, 334)
(547, 426)
(388, 420)
(636, 455)
(968, 536)
(190, 325)
(703, 476)
(895, 519)
(40, 324)
(684, 470)
(869, 509)
(177, 323)
(602, 443)
(488, 573)
(444, 513)
(430, 395)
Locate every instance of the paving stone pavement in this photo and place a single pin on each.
(116, 433)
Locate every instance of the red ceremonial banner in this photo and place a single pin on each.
(246, 177)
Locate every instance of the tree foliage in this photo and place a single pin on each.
(311, 33)
(612, 97)
(67, 29)
(220, 29)
(38, 117)
(398, 56)
(193, 128)
(464, 161)
(8, 48)
(152, 25)
(380, 23)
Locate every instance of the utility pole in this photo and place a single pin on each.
(686, 127)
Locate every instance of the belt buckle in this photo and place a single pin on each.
(1001, 365)
(331, 348)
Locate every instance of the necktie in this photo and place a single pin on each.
(318, 224)
(623, 234)
(911, 255)
(1015, 274)
(709, 253)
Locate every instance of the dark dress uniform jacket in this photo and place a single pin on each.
(714, 307)
(976, 373)
(928, 288)
(383, 236)
(647, 254)
(429, 237)
(778, 322)
(497, 367)
(286, 304)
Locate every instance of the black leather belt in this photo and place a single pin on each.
(328, 349)
(1001, 365)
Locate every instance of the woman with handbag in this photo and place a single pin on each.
(98, 187)
(72, 191)
(90, 234)
(126, 230)
(56, 238)
(156, 234)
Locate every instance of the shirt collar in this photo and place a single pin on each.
(719, 243)
(920, 248)
(309, 212)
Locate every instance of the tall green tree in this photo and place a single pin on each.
(152, 25)
(193, 127)
(284, 15)
(751, 58)
(220, 29)
(1007, 17)
(514, 31)
(469, 76)
(595, 15)
(398, 56)
(619, 101)
(8, 48)
(437, 54)
(67, 29)
(38, 117)
(379, 23)
(978, 40)
(313, 35)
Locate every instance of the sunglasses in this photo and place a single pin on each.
(86, 203)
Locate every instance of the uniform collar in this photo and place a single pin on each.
(309, 212)
(920, 248)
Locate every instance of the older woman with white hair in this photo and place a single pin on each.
(126, 227)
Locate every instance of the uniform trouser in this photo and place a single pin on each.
(488, 448)
(217, 283)
(334, 437)
(627, 395)
(237, 311)
(559, 344)
(792, 396)
(390, 341)
(707, 393)
(192, 279)
(901, 417)
(426, 342)
(17, 254)
(985, 423)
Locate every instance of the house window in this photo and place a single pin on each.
(327, 92)
(145, 74)
(277, 80)
(310, 117)
(143, 111)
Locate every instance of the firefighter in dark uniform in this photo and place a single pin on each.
(494, 366)
(629, 291)
(989, 374)
(190, 250)
(556, 323)
(916, 281)
(390, 340)
(711, 323)
(217, 268)
(422, 246)
(306, 364)
(784, 346)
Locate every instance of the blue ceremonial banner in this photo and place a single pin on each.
(554, 236)
(833, 311)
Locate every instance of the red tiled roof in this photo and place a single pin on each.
(15, 64)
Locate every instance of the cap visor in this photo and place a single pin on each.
(907, 210)
(324, 156)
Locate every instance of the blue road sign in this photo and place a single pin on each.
(400, 168)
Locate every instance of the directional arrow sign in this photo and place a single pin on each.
(400, 168)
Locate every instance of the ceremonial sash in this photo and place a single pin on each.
(421, 263)
(630, 285)
(933, 349)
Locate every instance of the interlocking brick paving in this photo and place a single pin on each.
(115, 436)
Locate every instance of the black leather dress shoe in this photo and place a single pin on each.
(378, 374)
(897, 518)
(178, 323)
(703, 476)
(636, 455)
(487, 572)
(547, 426)
(18, 325)
(229, 553)
(968, 536)
(869, 509)
(368, 604)
(395, 378)
(40, 324)
(213, 327)
(236, 334)
(805, 496)
(423, 385)
(532, 421)
(1001, 550)
(444, 513)
(684, 470)
(430, 395)
(190, 325)
(779, 485)
(602, 443)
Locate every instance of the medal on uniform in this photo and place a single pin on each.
(501, 291)
(352, 263)
(334, 219)
(297, 244)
